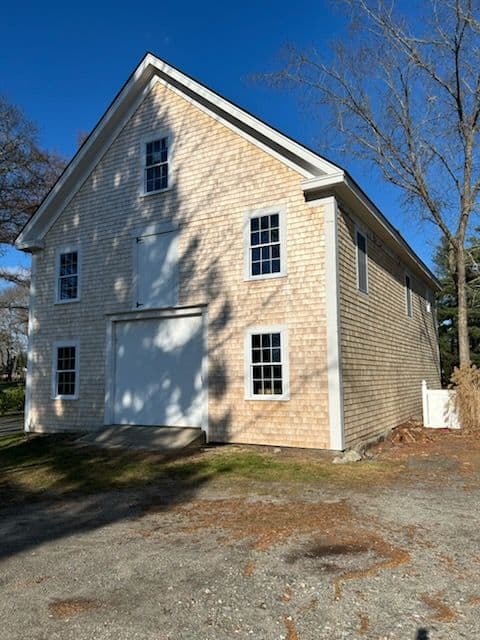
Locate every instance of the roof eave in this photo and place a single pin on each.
(346, 189)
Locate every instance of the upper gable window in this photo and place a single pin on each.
(362, 263)
(156, 154)
(265, 246)
(68, 271)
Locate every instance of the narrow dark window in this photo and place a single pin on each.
(156, 165)
(408, 295)
(362, 264)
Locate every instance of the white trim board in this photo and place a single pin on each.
(334, 375)
(30, 359)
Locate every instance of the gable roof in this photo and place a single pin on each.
(319, 174)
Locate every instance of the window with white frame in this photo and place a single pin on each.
(65, 370)
(267, 365)
(408, 295)
(68, 270)
(156, 165)
(362, 262)
(265, 244)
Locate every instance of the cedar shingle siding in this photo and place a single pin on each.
(384, 353)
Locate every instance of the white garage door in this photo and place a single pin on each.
(158, 372)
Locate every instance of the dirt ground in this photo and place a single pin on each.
(398, 557)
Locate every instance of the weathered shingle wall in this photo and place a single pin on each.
(384, 353)
(219, 176)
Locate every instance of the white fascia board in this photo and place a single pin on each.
(293, 154)
(242, 116)
(348, 191)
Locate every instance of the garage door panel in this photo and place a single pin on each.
(159, 372)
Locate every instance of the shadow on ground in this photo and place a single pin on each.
(51, 488)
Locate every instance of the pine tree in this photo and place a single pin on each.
(447, 304)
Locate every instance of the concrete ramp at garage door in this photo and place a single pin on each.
(162, 439)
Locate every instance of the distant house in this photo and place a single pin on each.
(195, 267)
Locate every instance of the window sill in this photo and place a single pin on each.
(265, 276)
(73, 300)
(147, 194)
(272, 398)
(65, 397)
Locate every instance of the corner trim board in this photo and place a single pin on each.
(334, 375)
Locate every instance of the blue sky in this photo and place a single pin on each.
(63, 63)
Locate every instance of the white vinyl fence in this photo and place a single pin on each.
(439, 408)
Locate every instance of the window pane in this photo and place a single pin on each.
(274, 235)
(254, 224)
(277, 371)
(276, 355)
(257, 387)
(254, 238)
(267, 387)
(277, 387)
(256, 355)
(274, 220)
(256, 254)
(276, 251)
(275, 339)
(264, 222)
(256, 269)
(266, 267)
(256, 340)
(265, 253)
(264, 237)
(257, 373)
(266, 355)
(266, 340)
(276, 266)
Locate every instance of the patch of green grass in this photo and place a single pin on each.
(30, 466)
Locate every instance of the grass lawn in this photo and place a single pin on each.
(31, 466)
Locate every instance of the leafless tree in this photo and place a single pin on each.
(13, 327)
(403, 92)
(26, 174)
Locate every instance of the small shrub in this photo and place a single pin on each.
(466, 383)
(12, 400)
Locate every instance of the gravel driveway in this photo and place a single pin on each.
(297, 562)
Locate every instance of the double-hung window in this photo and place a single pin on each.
(156, 154)
(408, 296)
(265, 247)
(267, 363)
(65, 370)
(68, 273)
(362, 262)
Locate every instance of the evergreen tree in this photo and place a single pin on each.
(447, 304)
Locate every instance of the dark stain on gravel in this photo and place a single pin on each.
(72, 607)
